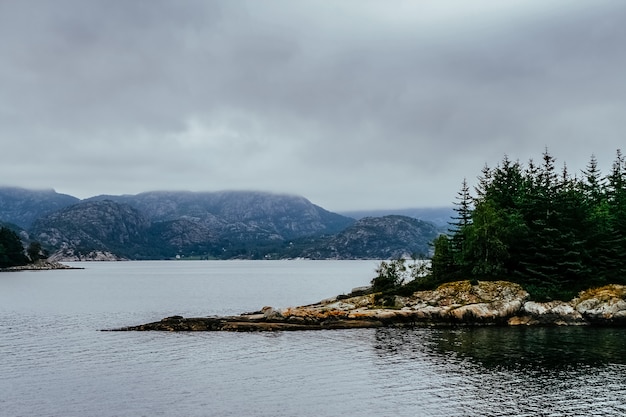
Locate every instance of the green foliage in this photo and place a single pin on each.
(445, 265)
(35, 252)
(552, 233)
(391, 275)
(11, 249)
(397, 277)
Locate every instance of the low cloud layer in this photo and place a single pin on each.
(353, 104)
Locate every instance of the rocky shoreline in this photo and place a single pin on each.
(454, 304)
(38, 266)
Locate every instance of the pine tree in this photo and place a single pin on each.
(484, 182)
(463, 208)
(12, 252)
(459, 228)
(616, 200)
(599, 245)
(487, 249)
(443, 266)
(552, 233)
(593, 185)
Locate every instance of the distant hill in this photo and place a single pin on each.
(386, 237)
(94, 226)
(241, 212)
(22, 207)
(157, 225)
(440, 216)
(218, 225)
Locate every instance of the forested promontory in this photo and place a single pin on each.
(551, 231)
(12, 253)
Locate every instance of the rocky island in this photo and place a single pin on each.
(460, 303)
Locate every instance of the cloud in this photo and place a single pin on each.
(353, 104)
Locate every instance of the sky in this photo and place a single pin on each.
(353, 104)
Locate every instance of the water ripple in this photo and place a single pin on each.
(55, 362)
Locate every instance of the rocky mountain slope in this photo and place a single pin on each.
(22, 207)
(246, 212)
(387, 237)
(93, 226)
(440, 216)
(221, 225)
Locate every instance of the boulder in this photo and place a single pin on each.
(553, 312)
(487, 302)
(270, 314)
(604, 305)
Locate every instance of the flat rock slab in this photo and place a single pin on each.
(453, 304)
(245, 324)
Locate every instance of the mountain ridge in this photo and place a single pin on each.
(209, 225)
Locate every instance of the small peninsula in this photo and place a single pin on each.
(40, 265)
(461, 303)
(531, 236)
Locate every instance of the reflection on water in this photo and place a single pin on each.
(510, 371)
(552, 348)
(55, 362)
(511, 347)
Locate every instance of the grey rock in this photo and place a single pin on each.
(452, 304)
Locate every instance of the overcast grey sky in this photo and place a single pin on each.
(353, 104)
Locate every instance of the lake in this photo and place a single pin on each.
(55, 361)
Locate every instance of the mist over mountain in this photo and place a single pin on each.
(250, 211)
(22, 207)
(93, 226)
(387, 237)
(440, 216)
(205, 225)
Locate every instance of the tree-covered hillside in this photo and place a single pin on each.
(550, 231)
(11, 249)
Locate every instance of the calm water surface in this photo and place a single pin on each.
(54, 361)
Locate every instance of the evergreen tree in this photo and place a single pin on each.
(484, 181)
(443, 266)
(4, 259)
(616, 201)
(461, 223)
(35, 251)
(463, 208)
(487, 251)
(553, 233)
(11, 249)
(599, 247)
(593, 185)
(570, 215)
(497, 224)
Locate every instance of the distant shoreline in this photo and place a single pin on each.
(39, 266)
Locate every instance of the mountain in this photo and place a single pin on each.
(208, 225)
(386, 237)
(440, 216)
(93, 226)
(157, 225)
(22, 207)
(242, 213)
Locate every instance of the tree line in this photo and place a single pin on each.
(12, 252)
(552, 232)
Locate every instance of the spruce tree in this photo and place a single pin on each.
(458, 230)
(552, 233)
(12, 252)
(616, 199)
(443, 266)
